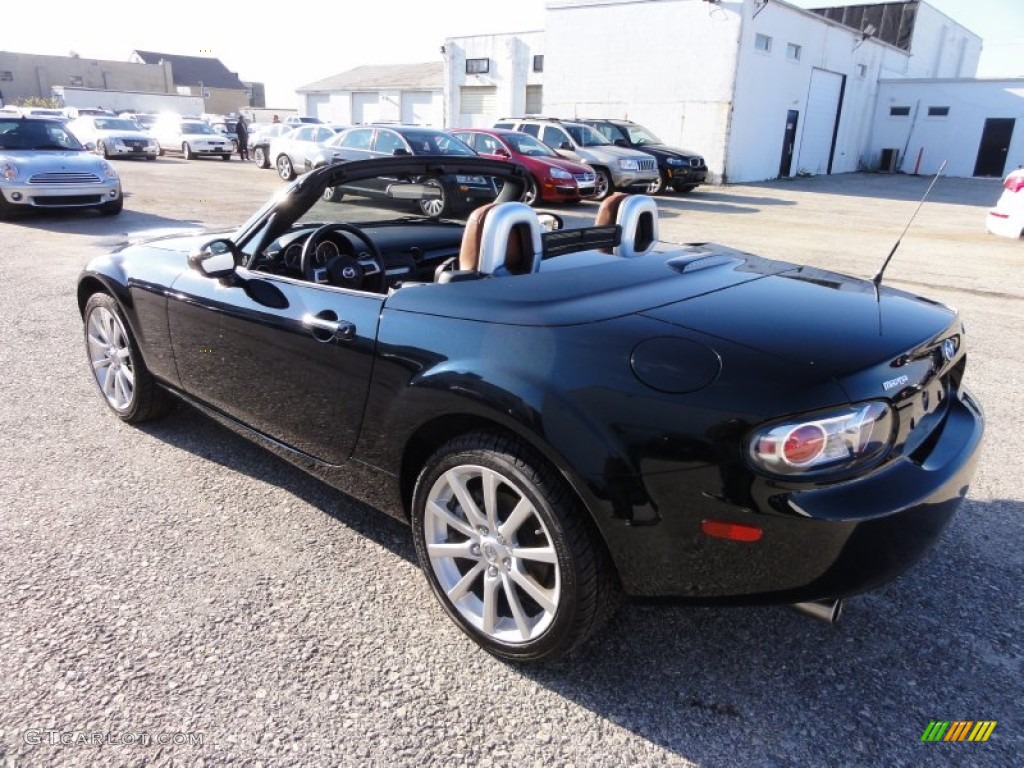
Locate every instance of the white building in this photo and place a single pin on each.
(397, 93)
(760, 87)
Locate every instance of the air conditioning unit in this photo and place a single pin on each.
(890, 160)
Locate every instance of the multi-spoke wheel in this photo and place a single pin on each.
(438, 206)
(507, 549)
(117, 367)
(603, 185)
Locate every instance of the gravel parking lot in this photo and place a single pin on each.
(173, 595)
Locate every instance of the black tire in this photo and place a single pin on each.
(151, 157)
(101, 149)
(685, 189)
(657, 187)
(7, 210)
(436, 207)
(332, 194)
(113, 207)
(225, 157)
(284, 168)
(186, 150)
(576, 579)
(530, 194)
(260, 156)
(160, 151)
(147, 399)
(603, 185)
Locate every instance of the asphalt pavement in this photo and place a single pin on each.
(174, 595)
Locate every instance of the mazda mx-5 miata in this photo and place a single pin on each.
(564, 415)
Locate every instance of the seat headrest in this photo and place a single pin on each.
(637, 219)
(502, 239)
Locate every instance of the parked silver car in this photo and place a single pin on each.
(192, 138)
(616, 167)
(42, 165)
(294, 152)
(114, 136)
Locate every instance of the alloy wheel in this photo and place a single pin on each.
(111, 358)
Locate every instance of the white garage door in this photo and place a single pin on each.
(477, 106)
(819, 121)
(365, 107)
(418, 108)
(319, 105)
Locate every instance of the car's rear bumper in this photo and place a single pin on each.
(61, 195)
(1004, 224)
(817, 543)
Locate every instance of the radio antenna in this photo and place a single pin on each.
(877, 280)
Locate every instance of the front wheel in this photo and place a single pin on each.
(332, 194)
(436, 207)
(602, 184)
(101, 149)
(508, 551)
(225, 157)
(112, 207)
(260, 156)
(530, 195)
(658, 186)
(117, 366)
(186, 150)
(284, 168)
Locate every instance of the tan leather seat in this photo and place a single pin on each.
(608, 212)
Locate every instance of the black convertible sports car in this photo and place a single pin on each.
(563, 415)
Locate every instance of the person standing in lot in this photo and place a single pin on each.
(243, 139)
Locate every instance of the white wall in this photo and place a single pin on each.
(770, 84)
(668, 64)
(955, 138)
(338, 108)
(510, 71)
(941, 47)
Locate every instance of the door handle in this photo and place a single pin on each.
(334, 329)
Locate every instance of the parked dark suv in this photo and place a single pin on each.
(680, 169)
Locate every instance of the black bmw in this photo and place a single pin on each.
(563, 415)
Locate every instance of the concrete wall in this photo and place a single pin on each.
(770, 84)
(221, 101)
(956, 137)
(668, 64)
(35, 75)
(336, 107)
(510, 70)
(941, 47)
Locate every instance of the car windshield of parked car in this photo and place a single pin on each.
(586, 136)
(435, 143)
(197, 127)
(639, 135)
(525, 144)
(36, 134)
(115, 124)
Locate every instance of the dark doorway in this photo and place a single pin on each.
(995, 147)
(788, 142)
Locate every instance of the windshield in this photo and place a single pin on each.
(525, 144)
(435, 143)
(36, 134)
(196, 127)
(639, 135)
(586, 136)
(119, 124)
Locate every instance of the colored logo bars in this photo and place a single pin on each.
(958, 730)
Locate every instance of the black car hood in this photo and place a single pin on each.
(662, 150)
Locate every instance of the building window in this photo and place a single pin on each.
(899, 111)
(75, 80)
(762, 43)
(477, 66)
(7, 76)
(938, 111)
(793, 51)
(538, 63)
(862, 71)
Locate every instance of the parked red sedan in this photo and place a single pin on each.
(553, 179)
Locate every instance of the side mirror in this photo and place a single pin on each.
(565, 145)
(400, 152)
(90, 146)
(215, 259)
(621, 143)
(502, 152)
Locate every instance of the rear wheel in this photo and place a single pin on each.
(507, 550)
(186, 150)
(117, 366)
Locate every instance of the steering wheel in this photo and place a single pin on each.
(344, 270)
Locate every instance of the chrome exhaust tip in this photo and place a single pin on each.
(828, 611)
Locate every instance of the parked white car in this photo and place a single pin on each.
(1007, 218)
(114, 136)
(192, 138)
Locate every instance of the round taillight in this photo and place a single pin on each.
(804, 444)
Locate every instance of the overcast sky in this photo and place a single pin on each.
(293, 44)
